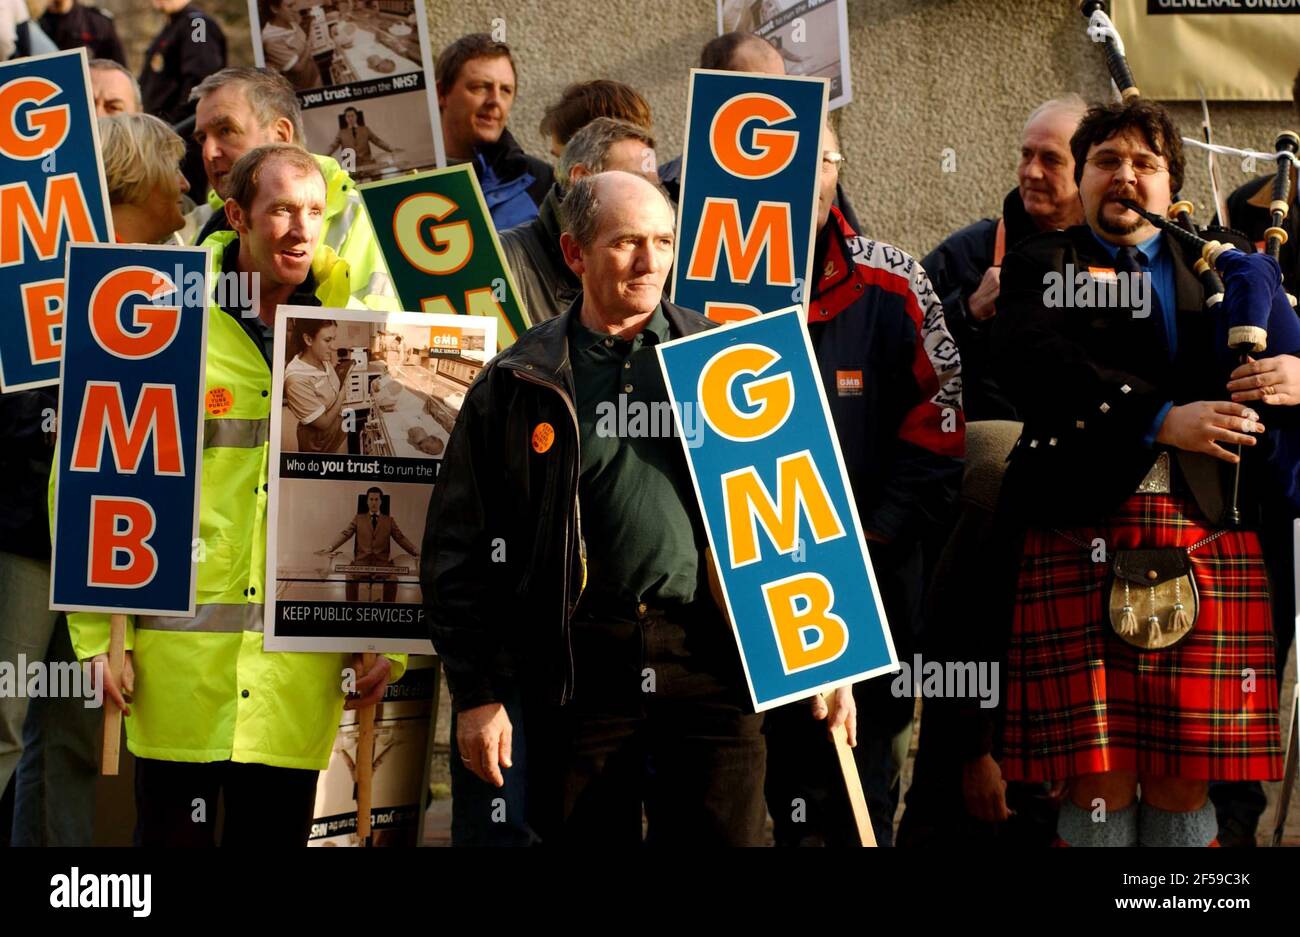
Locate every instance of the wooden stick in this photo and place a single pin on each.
(365, 759)
(112, 712)
(852, 782)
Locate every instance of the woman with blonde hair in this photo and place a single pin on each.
(146, 188)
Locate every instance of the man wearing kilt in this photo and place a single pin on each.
(1140, 655)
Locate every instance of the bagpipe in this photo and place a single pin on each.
(1254, 313)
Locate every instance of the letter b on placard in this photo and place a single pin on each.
(808, 633)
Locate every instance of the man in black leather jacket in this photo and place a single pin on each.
(565, 571)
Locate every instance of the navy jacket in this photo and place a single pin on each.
(956, 267)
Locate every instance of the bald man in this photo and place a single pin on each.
(966, 268)
(600, 622)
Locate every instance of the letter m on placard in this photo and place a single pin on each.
(103, 415)
(747, 506)
(720, 231)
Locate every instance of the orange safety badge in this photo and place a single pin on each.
(219, 401)
(543, 437)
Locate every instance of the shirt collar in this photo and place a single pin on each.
(584, 339)
(1148, 248)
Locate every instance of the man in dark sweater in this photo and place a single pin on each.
(967, 266)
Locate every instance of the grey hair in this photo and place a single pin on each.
(269, 95)
(108, 65)
(590, 146)
(1071, 103)
(580, 210)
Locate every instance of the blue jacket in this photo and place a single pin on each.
(513, 183)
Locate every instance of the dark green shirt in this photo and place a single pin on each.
(645, 540)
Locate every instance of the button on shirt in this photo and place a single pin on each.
(645, 540)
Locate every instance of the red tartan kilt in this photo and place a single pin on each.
(1080, 700)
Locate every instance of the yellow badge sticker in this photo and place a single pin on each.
(219, 401)
(1103, 273)
(543, 437)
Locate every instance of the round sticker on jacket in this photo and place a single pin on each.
(219, 401)
(543, 437)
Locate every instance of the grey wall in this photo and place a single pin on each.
(927, 75)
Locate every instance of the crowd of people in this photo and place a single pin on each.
(597, 692)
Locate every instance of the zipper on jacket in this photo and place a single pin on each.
(566, 689)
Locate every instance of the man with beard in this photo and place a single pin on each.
(1136, 610)
(476, 89)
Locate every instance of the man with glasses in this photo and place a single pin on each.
(893, 381)
(1126, 669)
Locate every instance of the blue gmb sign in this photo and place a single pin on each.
(747, 214)
(52, 191)
(131, 430)
(782, 523)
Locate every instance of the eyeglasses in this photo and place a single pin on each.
(1142, 165)
(832, 158)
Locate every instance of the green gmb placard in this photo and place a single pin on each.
(442, 249)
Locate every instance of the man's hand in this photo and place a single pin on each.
(1274, 381)
(984, 791)
(981, 302)
(841, 711)
(1207, 425)
(483, 737)
(118, 691)
(370, 684)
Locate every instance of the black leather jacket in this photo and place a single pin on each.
(503, 563)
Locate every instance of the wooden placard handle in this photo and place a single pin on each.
(109, 758)
(852, 782)
(365, 759)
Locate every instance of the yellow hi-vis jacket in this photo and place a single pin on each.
(204, 688)
(348, 232)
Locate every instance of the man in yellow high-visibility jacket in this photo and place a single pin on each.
(242, 108)
(208, 710)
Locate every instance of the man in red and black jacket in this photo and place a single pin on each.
(893, 380)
